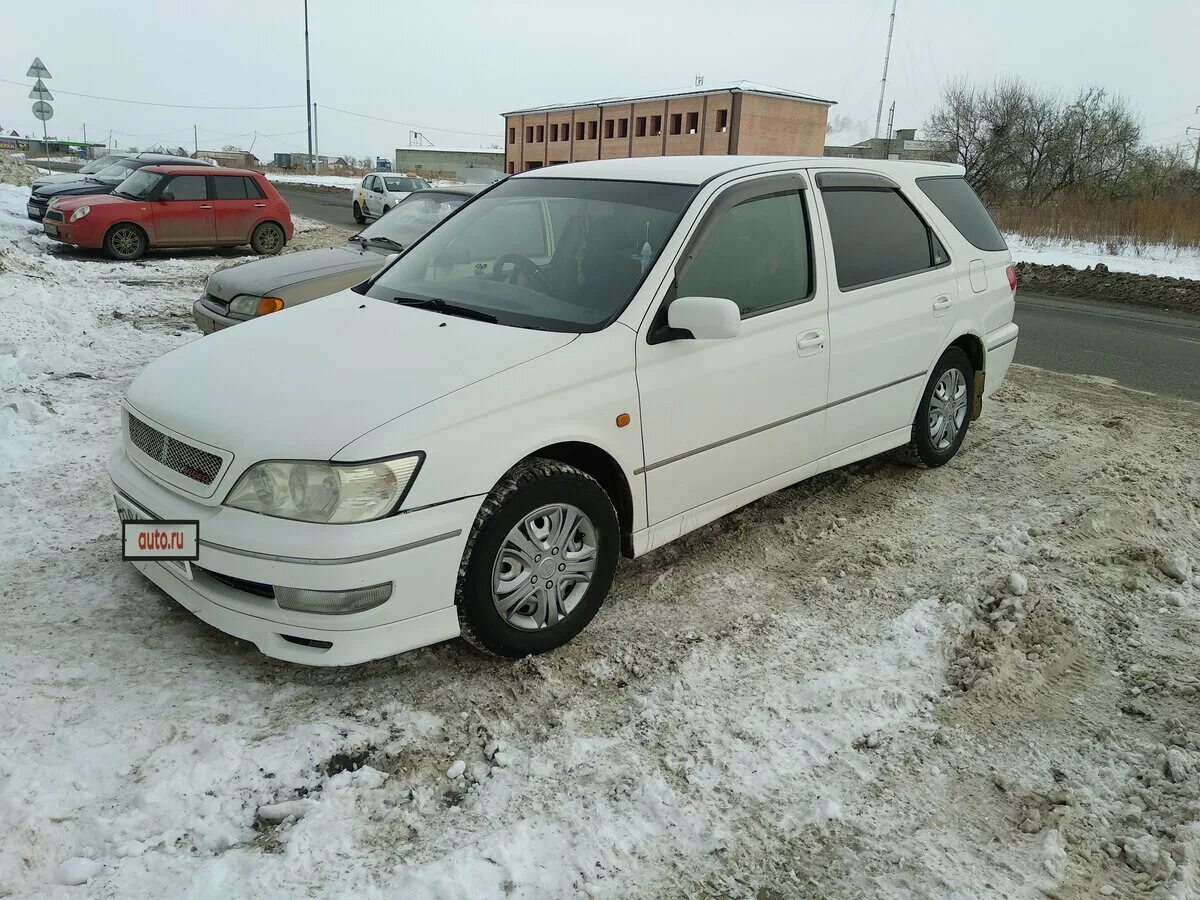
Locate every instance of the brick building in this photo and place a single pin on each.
(742, 118)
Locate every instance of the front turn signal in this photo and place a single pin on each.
(269, 305)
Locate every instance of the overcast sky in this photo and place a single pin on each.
(452, 66)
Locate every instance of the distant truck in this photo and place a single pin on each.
(382, 164)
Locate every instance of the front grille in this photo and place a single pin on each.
(198, 465)
(54, 215)
(241, 584)
(215, 303)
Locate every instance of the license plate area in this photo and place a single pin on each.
(128, 512)
(51, 230)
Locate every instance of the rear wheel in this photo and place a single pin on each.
(539, 562)
(268, 239)
(358, 216)
(125, 241)
(944, 412)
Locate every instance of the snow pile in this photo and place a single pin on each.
(339, 181)
(1140, 259)
(14, 170)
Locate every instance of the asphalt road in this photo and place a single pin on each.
(324, 206)
(1143, 349)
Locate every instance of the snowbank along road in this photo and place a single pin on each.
(981, 681)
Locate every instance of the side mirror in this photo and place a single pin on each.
(707, 318)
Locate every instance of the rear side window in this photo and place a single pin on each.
(230, 187)
(254, 190)
(877, 236)
(958, 203)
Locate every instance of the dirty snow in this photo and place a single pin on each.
(1141, 259)
(349, 182)
(982, 681)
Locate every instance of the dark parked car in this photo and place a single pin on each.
(263, 286)
(102, 182)
(90, 168)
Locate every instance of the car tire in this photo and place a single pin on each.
(511, 603)
(358, 216)
(268, 239)
(944, 412)
(125, 241)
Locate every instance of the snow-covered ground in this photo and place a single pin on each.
(982, 681)
(1143, 259)
(343, 181)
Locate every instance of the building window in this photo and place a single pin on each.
(676, 123)
(533, 164)
(655, 126)
(541, 133)
(593, 129)
(693, 122)
(622, 128)
(554, 132)
(608, 127)
(639, 126)
(722, 120)
(529, 134)
(512, 135)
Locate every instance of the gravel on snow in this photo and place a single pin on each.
(979, 681)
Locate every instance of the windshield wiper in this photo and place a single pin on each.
(436, 304)
(385, 242)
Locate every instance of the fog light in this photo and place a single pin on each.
(332, 602)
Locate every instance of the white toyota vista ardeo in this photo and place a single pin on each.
(581, 361)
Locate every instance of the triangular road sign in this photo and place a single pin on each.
(40, 92)
(37, 70)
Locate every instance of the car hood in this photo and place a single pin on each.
(78, 187)
(261, 277)
(61, 178)
(305, 382)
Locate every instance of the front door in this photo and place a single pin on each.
(719, 416)
(183, 213)
(375, 196)
(237, 206)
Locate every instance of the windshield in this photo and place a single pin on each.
(119, 169)
(139, 185)
(560, 254)
(402, 183)
(97, 164)
(413, 216)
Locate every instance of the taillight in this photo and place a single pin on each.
(1011, 272)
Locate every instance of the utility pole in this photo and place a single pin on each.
(887, 56)
(308, 86)
(316, 141)
(196, 140)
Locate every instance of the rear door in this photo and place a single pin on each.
(183, 212)
(889, 305)
(237, 206)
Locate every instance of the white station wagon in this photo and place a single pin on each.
(581, 361)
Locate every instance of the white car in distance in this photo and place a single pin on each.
(581, 361)
(380, 192)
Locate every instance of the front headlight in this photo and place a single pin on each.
(80, 213)
(247, 305)
(325, 492)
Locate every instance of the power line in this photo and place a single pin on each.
(149, 103)
(348, 112)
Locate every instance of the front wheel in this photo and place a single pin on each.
(268, 239)
(125, 242)
(944, 412)
(358, 215)
(539, 562)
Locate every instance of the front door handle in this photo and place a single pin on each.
(941, 305)
(810, 343)
(206, 206)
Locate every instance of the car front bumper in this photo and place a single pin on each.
(418, 553)
(80, 234)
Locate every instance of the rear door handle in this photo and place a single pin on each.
(260, 206)
(941, 305)
(810, 343)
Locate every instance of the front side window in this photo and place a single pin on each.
(186, 187)
(756, 254)
(877, 236)
(559, 254)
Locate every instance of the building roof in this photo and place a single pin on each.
(450, 150)
(741, 87)
(699, 169)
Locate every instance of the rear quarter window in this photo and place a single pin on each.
(958, 203)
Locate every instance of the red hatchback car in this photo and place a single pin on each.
(175, 206)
